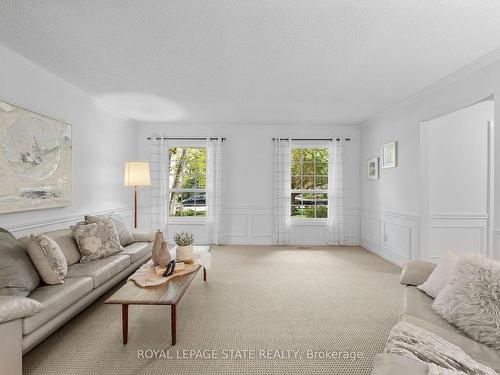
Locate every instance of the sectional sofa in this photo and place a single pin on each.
(23, 324)
(418, 311)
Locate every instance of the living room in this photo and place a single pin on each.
(258, 187)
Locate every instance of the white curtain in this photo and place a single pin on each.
(214, 191)
(336, 212)
(159, 184)
(282, 191)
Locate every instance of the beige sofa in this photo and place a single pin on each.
(418, 311)
(84, 283)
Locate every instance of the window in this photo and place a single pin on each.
(309, 169)
(187, 176)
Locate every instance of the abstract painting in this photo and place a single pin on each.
(35, 161)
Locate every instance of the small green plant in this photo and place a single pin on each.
(183, 238)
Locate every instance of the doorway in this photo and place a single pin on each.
(457, 182)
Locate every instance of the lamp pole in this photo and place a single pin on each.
(135, 207)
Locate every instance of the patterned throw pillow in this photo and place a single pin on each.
(125, 236)
(48, 258)
(96, 240)
(471, 299)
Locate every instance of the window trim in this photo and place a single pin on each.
(195, 220)
(310, 221)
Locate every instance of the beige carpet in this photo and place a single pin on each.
(256, 298)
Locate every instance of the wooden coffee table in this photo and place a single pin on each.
(168, 294)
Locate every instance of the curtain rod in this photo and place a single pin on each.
(348, 139)
(186, 138)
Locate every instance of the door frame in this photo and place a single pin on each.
(424, 191)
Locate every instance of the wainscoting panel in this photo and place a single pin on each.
(20, 230)
(261, 225)
(460, 233)
(393, 236)
(248, 225)
(253, 225)
(196, 228)
(496, 242)
(370, 229)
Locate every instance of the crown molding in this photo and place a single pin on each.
(447, 80)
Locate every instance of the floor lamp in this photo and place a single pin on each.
(136, 174)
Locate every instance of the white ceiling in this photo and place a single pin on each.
(251, 61)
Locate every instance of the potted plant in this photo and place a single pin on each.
(184, 250)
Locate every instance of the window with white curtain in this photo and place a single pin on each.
(187, 181)
(309, 182)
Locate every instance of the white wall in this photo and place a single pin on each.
(457, 146)
(455, 179)
(390, 217)
(248, 179)
(101, 144)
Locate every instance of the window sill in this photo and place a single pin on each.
(320, 222)
(186, 221)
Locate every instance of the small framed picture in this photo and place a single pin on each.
(373, 168)
(389, 155)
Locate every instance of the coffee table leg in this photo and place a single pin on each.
(204, 274)
(173, 323)
(125, 323)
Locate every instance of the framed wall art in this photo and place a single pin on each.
(373, 168)
(389, 155)
(35, 160)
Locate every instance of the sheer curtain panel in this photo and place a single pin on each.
(336, 212)
(282, 191)
(159, 184)
(214, 191)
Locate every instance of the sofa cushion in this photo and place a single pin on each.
(48, 259)
(100, 270)
(97, 240)
(56, 298)
(479, 352)
(394, 364)
(14, 307)
(137, 250)
(417, 303)
(18, 276)
(416, 272)
(66, 241)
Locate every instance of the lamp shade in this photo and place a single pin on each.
(137, 173)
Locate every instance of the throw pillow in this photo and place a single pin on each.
(416, 272)
(144, 237)
(471, 299)
(439, 277)
(125, 236)
(48, 259)
(18, 276)
(96, 240)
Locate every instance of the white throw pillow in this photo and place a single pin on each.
(48, 258)
(471, 299)
(439, 277)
